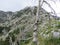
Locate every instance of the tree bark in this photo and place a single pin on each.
(35, 35)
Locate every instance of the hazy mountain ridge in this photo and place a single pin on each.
(5, 16)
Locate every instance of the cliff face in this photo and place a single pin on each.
(4, 16)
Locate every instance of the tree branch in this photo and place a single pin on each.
(50, 7)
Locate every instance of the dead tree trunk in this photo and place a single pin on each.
(35, 35)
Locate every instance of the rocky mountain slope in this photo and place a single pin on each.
(18, 26)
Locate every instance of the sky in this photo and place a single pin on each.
(16, 5)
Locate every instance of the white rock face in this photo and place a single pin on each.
(56, 34)
(4, 32)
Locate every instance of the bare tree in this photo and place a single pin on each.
(40, 3)
(35, 35)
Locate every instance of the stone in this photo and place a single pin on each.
(56, 34)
